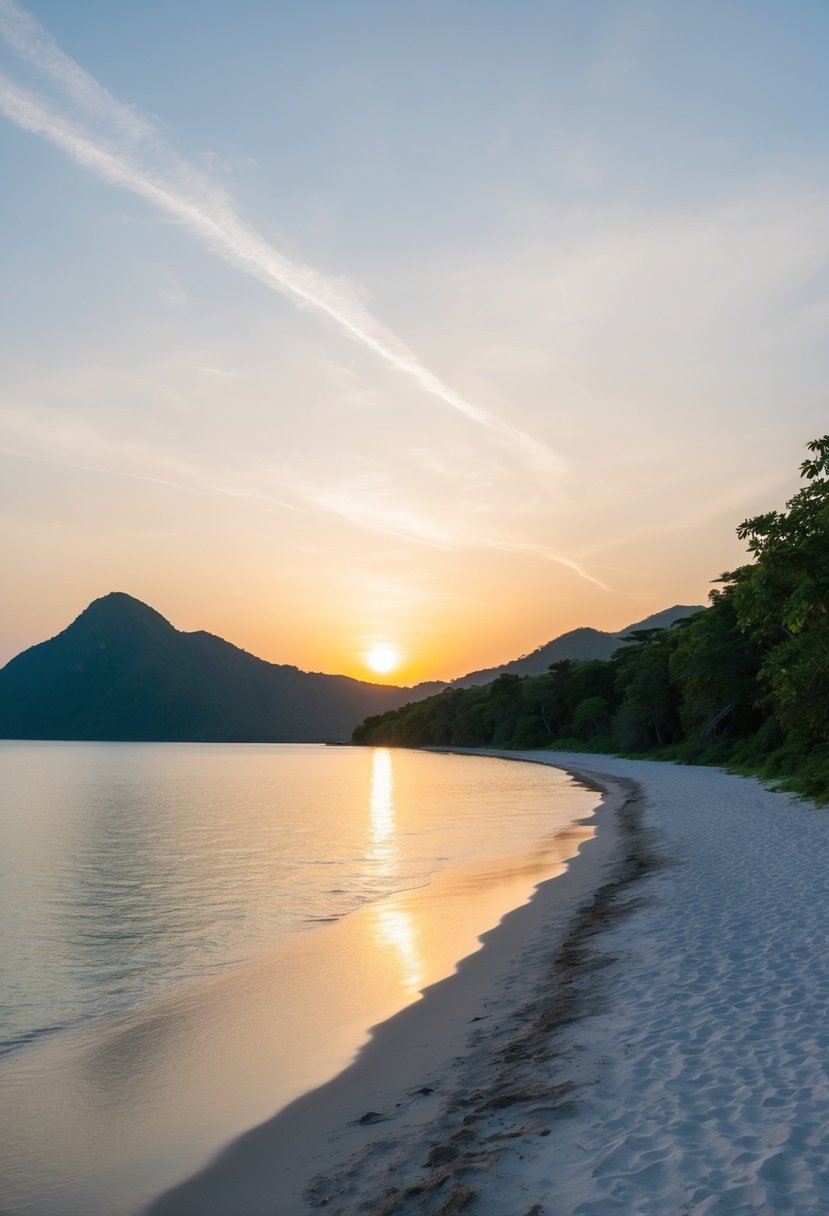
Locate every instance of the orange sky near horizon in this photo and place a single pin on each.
(418, 325)
(472, 616)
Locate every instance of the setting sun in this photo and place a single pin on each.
(383, 658)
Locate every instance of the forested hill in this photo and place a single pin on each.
(584, 643)
(121, 671)
(743, 683)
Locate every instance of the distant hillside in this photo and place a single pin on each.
(582, 643)
(122, 672)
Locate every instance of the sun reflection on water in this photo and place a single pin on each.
(392, 922)
(395, 928)
(383, 828)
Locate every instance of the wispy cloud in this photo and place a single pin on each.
(364, 510)
(64, 462)
(40, 436)
(125, 149)
(546, 554)
(78, 445)
(369, 502)
(730, 502)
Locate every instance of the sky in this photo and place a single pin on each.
(331, 325)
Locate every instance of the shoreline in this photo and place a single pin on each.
(106, 1117)
(410, 1067)
(649, 1034)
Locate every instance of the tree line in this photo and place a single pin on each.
(743, 683)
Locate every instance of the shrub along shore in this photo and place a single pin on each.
(743, 684)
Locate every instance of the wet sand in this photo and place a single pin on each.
(649, 1035)
(100, 1120)
(329, 1148)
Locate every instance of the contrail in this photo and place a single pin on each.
(128, 151)
(550, 555)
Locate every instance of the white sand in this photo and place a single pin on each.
(705, 1082)
(662, 1050)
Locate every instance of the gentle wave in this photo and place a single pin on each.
(133, 867)
(203, 896)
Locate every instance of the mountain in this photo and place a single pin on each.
(582, 643)
(122, 672)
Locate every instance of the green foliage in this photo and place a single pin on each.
(743, 683)
(715, 665)
(591, 718)
(649, 702)
(782, 602)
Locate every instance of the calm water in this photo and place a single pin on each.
(134, 877)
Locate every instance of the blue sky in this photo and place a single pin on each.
(599, 228)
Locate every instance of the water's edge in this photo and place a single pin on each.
(408, 1055)
(208, 1050)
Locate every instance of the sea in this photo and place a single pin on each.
(191, 936)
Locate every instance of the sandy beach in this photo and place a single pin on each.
(649, 1035)
(102, 1116)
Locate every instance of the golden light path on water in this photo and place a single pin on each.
(393, 924)
(433, 849)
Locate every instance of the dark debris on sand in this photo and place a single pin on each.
(518, 1099)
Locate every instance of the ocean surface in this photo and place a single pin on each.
(182, 949)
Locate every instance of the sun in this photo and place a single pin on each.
(383, 658)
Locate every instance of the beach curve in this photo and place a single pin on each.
(400, 1079)
(653, 1038)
